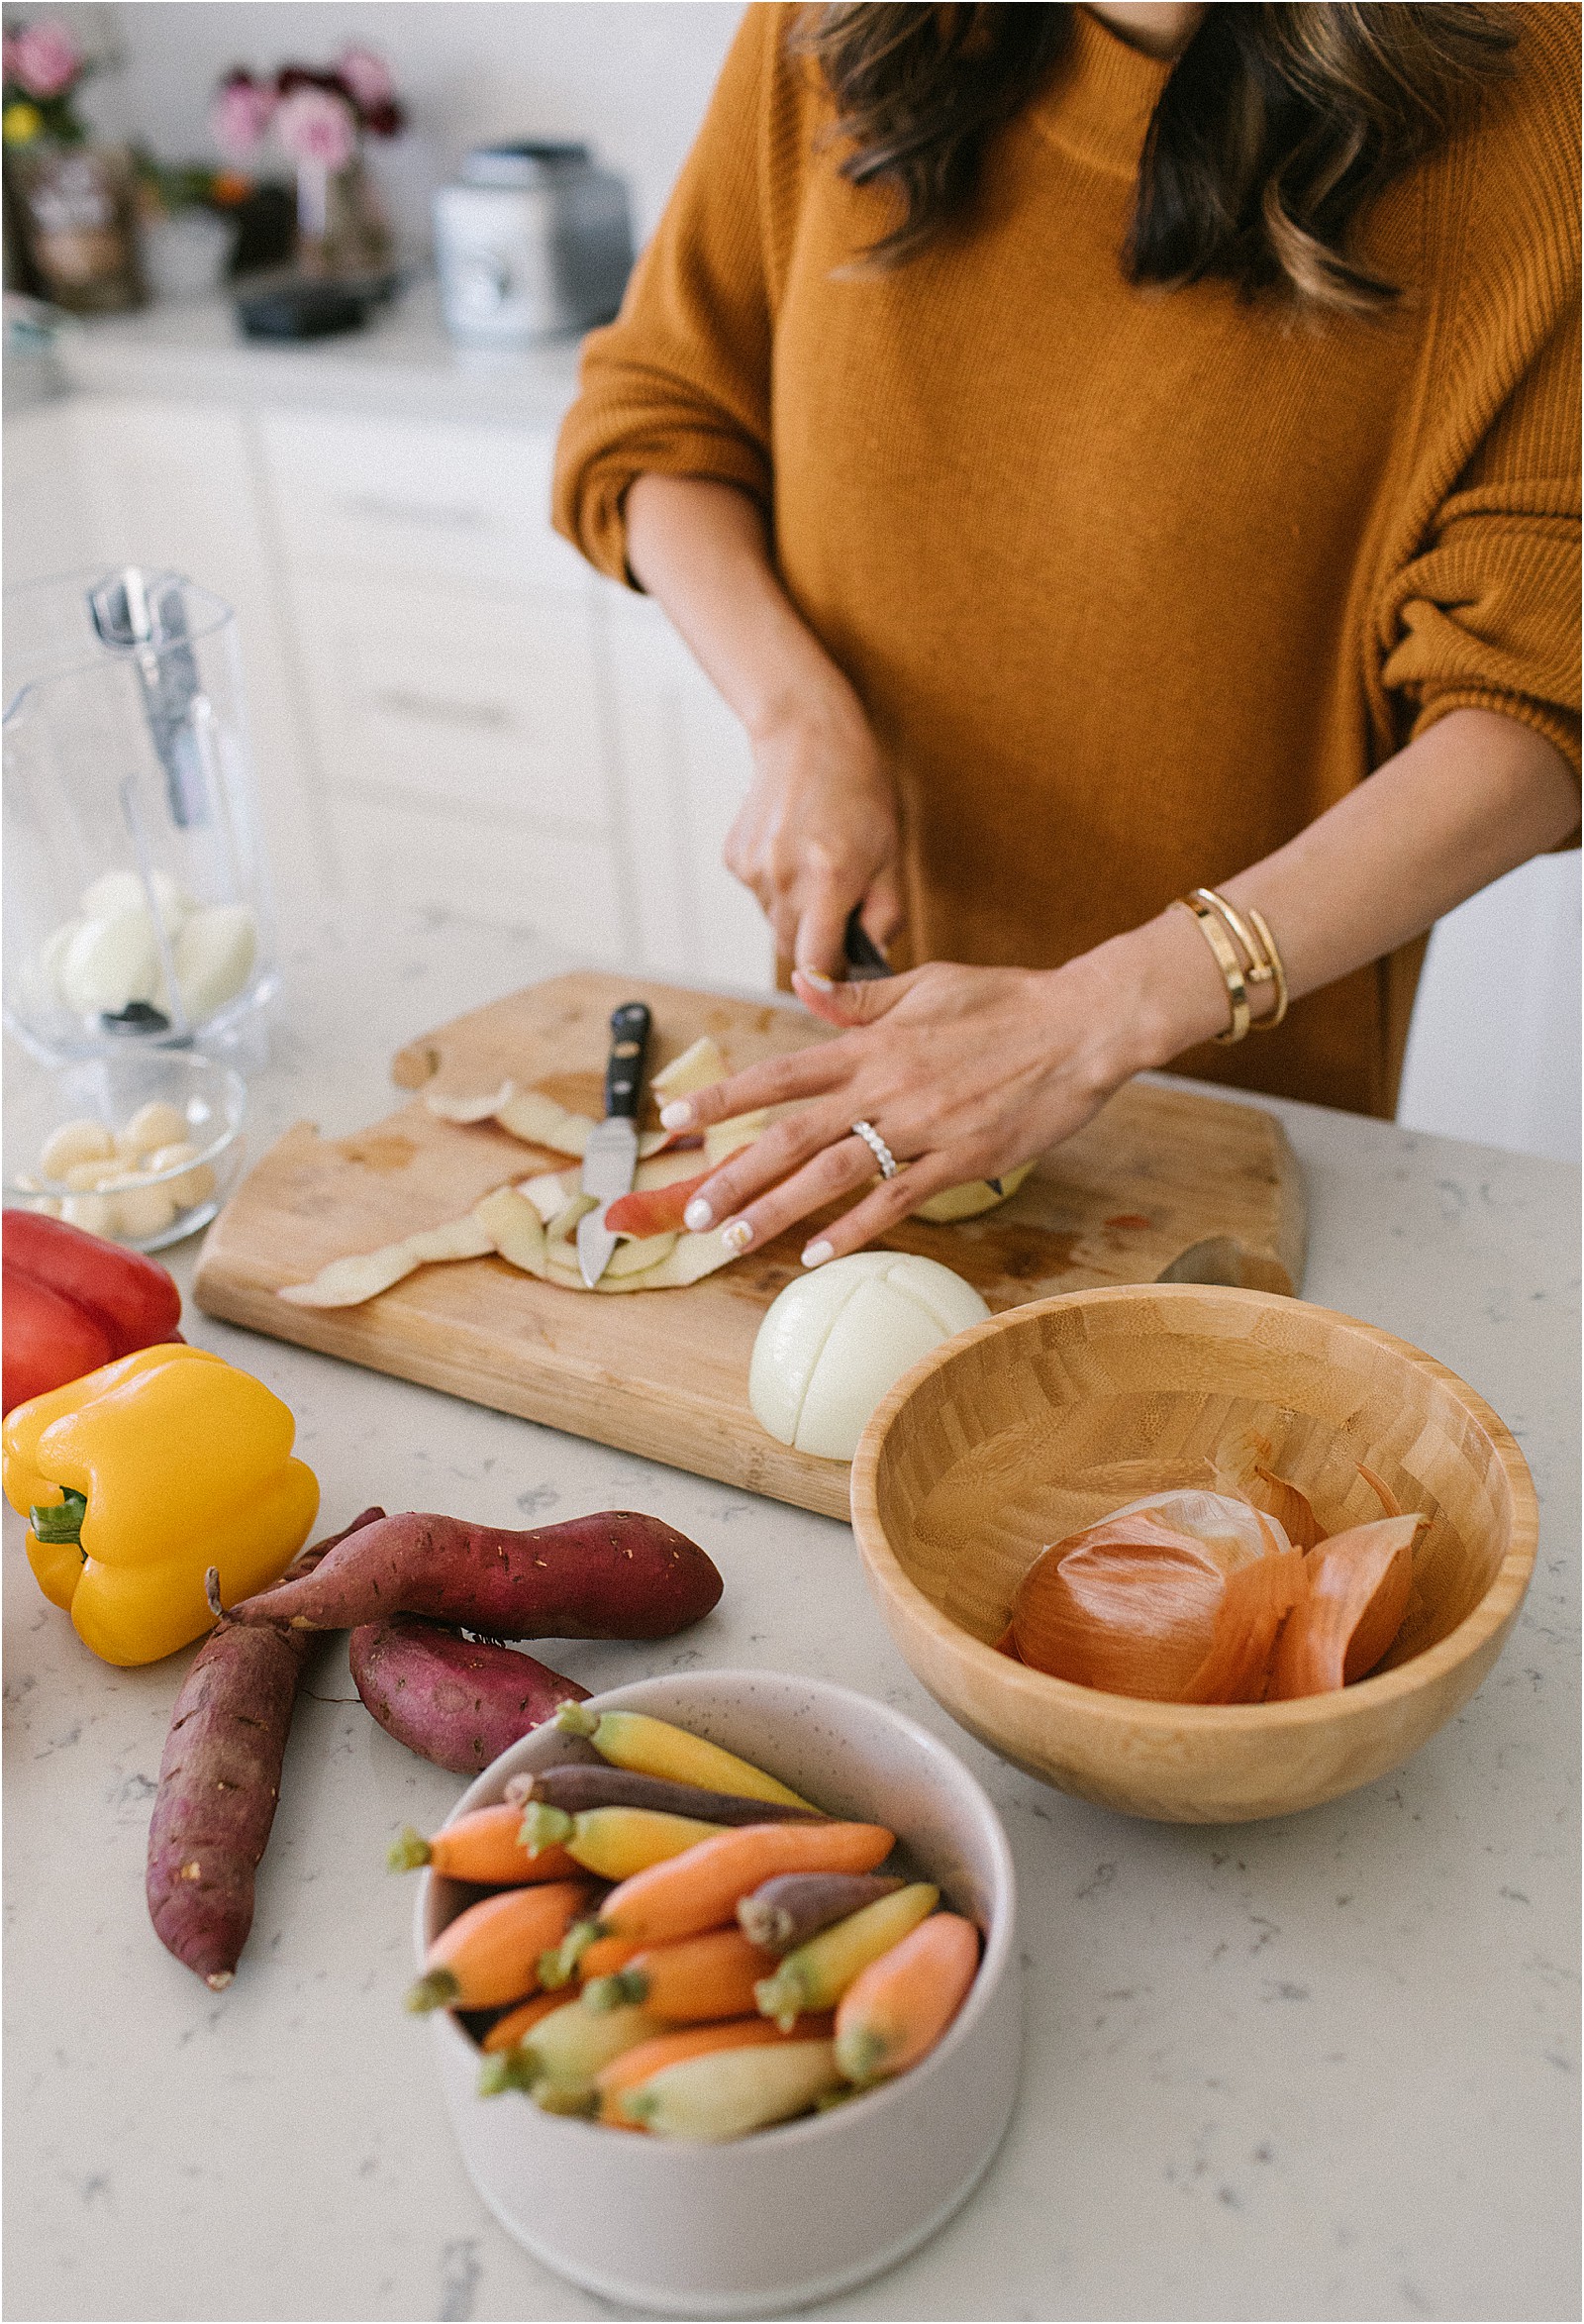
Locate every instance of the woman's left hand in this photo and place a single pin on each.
(964, 1073)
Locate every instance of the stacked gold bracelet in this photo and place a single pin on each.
(1245, 953)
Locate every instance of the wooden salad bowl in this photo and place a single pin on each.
(1044, 1419)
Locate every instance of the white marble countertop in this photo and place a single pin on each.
(1318, 2068)
(400, 366)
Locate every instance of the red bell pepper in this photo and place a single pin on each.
(73, 1301)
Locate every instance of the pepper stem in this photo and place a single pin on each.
(60, 1521)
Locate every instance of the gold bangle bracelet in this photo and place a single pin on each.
(1226, 960)
(1278, 973)
(1251, 930)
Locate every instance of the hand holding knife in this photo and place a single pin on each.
(609, 1160)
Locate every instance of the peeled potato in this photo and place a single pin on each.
(967, 1201)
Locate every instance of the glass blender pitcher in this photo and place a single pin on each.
(136, 903)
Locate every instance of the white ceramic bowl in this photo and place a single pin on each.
(802, 2211)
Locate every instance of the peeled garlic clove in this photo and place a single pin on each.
(194, 1185)
(109, 964)
(74, 1142)
(1358, 1588)
(215, 952)
(152, 1127)
(86, 1178)
(94, 1213)
(143, 1210)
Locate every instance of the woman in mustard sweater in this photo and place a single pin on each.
(1099, 452)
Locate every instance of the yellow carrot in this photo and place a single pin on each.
(712, 1975)
(700, 1890)
(647, 2059)
(654, 1747)
(818, 1974)
(488, 1956)
(508, 2031)
(898, 2007)
(730, 2091)
(565, 2050)
(614, 1842)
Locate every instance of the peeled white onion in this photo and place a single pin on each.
(834, 1341)
(215, 952)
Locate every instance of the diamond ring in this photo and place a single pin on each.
(889, 1166)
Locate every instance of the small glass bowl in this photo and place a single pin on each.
(160, 1206)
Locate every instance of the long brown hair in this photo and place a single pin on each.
(1276, 124)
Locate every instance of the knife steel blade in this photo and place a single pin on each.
(610, 1160)
(865, 960)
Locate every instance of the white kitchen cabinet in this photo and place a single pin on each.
(489, 705)
(440, 501)
(46, 530)
(684, 768)
(517, 875)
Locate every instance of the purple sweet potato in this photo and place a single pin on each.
(456, 1700)
(220, 1779)
(610, 1575)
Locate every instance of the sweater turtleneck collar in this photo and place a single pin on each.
(1098, 100)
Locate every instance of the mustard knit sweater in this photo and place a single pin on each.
(1133, 585)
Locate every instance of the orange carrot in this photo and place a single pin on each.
(558, 1966)
(699, 1889)
(712, 1975)
(901, 2004)
(508, 2031)
(695, 2041)
(488, 1956)
(483, 1847)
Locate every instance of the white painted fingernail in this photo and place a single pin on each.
(698, 1215)
(816, 1253)
(738, 1236)
(678, 1115)
(819, 982)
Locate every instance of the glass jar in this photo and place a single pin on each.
(78, 212)
(136, 895)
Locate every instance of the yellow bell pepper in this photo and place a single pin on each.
(140, 1476)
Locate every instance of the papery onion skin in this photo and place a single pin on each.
(1256, 1603)
(1358, 1590)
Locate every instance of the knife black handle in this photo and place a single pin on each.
(864, 956)
(624, 1071)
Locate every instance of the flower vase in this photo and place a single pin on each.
(342, 229)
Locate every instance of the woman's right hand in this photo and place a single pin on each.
(818, 830)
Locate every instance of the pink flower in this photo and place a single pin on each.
(44, 58)
(314, 126)
(239, 115)
(367, 79)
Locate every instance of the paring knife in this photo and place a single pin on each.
(609, 1160)
(865, 959)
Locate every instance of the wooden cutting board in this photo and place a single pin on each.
(1162, 1185)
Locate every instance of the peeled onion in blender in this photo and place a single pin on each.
(215, 952)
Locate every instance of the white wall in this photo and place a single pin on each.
(1493, 1051)
(631, 77)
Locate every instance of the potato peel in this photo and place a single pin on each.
(348, 1283)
